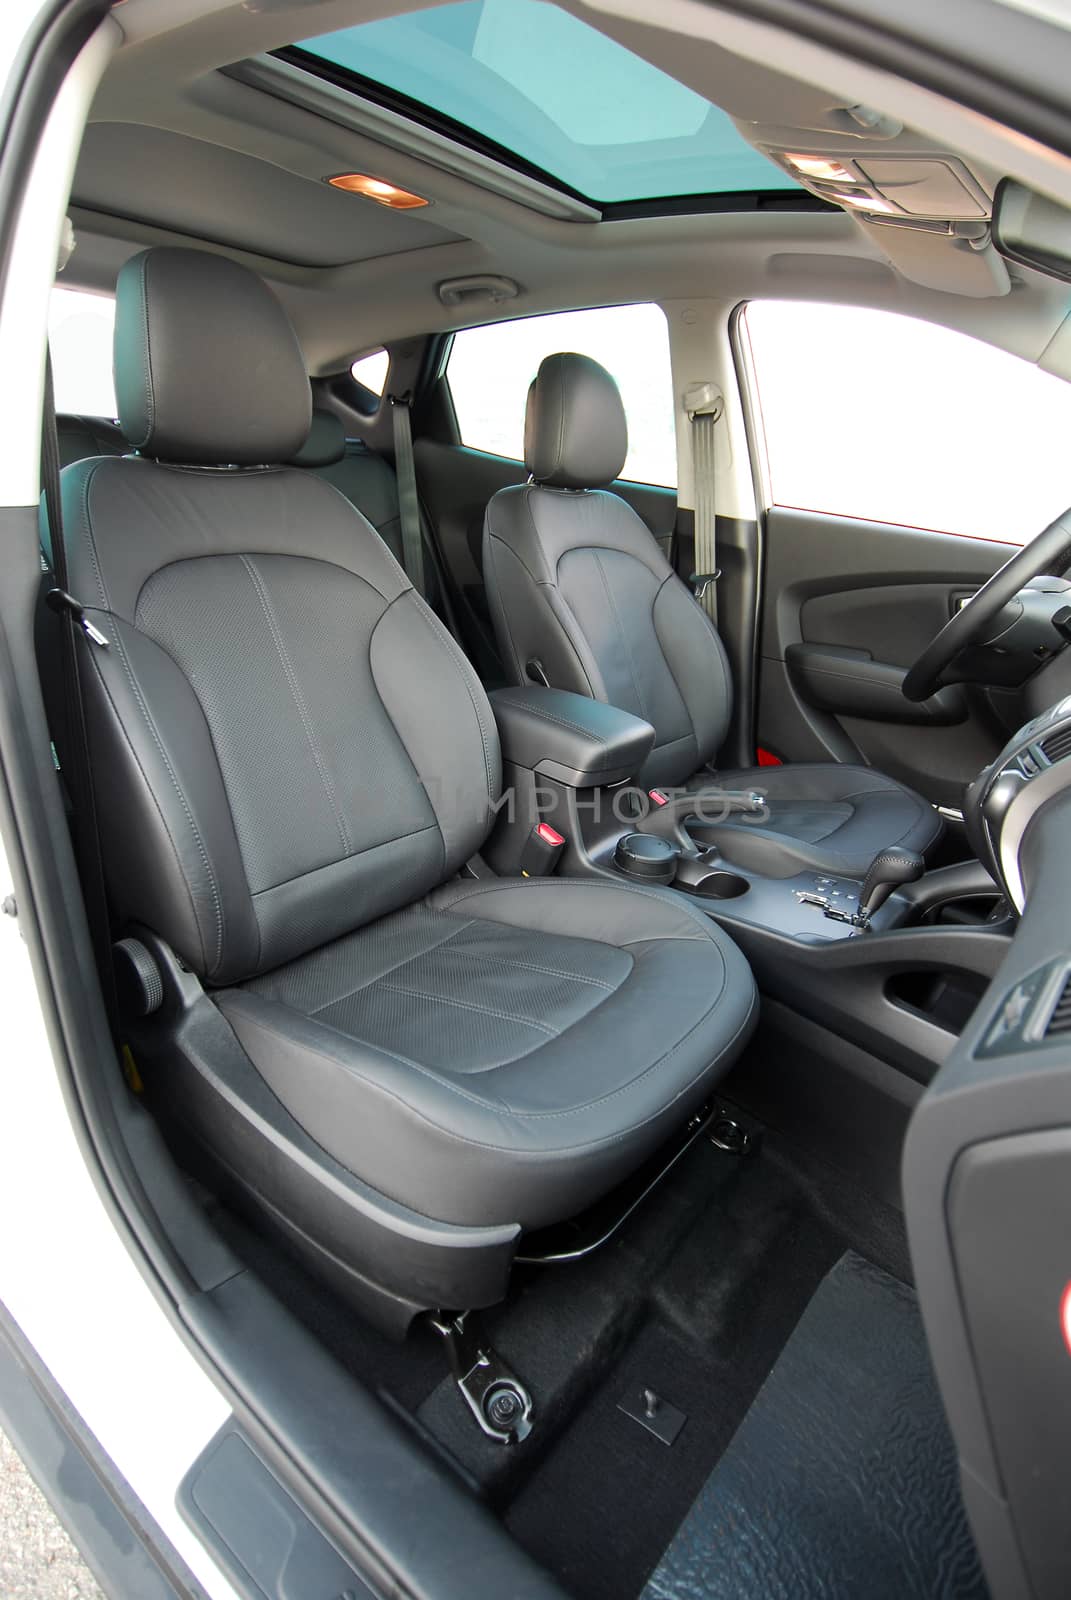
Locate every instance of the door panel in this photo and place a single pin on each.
(874, 594)
(456, 483)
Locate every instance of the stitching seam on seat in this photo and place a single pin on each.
(501, 1106)
(549, 716)
(469, 1005)
(379, 976)
(532, 884)
(612, 603)
(461, 667)
(159, 810)
(299, 699)
(528, 966)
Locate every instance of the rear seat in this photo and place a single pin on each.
(82, 437)
(369, 483)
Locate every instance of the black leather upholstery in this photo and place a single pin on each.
(503, 1051)
(369, 483)
(575, 436)
(575, 581)
(822, 815)
(579, 741)
(326, 442)
(229, 386)
(292, 759)
(80, 437)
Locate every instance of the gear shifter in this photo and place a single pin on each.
(888, 870)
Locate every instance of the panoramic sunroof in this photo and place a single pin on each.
(555, 95)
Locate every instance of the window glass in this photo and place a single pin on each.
(546, 88)
(371, 370)
(490, 369)
(873, 415)
(80, 329)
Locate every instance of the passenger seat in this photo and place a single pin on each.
(398, 1065)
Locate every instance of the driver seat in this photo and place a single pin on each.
(576, 583)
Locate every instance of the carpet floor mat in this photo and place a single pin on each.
(841, 1481)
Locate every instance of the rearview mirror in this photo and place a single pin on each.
(1032, 230)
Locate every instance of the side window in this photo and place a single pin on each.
(882, 417)
(371, 370)
(80, 329)
(490, 369)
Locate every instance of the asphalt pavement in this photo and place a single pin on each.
(37, 1559)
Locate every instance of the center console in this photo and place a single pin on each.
(883, 961)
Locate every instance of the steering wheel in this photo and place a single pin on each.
(1047, 553)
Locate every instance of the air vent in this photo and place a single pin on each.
(1060, 1021)
(1057, 745)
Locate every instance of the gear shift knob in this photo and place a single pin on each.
(888, 870)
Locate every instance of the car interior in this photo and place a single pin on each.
(588, 950)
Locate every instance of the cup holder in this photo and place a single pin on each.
(717, 885)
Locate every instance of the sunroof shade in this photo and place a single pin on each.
(558, 95)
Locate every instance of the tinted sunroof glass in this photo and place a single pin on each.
(559, 95)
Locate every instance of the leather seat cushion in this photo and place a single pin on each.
(501, 1052)
(824, 816)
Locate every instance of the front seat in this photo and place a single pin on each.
(582, 596)
(400, 1067)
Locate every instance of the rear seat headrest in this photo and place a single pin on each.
(208, 369)
(326, 442)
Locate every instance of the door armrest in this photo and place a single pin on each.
(850, 683)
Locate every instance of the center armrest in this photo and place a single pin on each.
(579, 742)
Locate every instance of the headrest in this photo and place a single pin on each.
(575, 435)
(326, 442)
(208, 369)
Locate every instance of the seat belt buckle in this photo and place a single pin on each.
(542, 851)
(60, 601)
(701, 581)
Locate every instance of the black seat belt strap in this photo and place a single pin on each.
(76, 768)
(408, 497)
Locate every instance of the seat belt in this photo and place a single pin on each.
(705, 405)
(72, 620)
(418, 538)
(408, 496)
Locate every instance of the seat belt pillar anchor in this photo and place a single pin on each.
(703, 400)
(701, 582)
(60, 601)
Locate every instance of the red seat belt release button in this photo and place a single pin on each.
(657, 798)
(542, 851)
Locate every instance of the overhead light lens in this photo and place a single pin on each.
(863, 202)
(377, 189)
(821, 167)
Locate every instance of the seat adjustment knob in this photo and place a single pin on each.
(137, 979)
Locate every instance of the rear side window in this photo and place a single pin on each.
(490, 369)
(890, 419)
(80, 329)
(371, 370)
